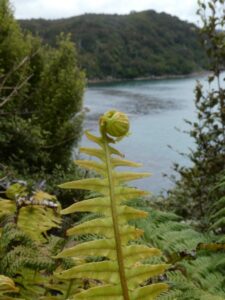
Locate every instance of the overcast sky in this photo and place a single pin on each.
(52, 9)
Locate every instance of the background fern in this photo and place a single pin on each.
(194, 273)
(217, 211)
(26, 249)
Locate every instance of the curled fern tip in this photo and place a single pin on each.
(115, 124)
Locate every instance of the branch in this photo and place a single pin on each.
(20, 85)
(13, 70)
(15, 91)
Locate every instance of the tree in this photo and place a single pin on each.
(192, 196)
(41, 89)
(59, 98)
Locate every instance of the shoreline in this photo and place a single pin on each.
(152, 77)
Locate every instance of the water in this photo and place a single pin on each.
(156, 108)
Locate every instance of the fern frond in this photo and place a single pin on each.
(27, 209)
(217, 210)
(7, 285)
(199, 271)
(123, 271)
(7, 207)
(47, 219)
(18, 251)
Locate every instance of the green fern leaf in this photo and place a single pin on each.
(141, 273)
(7, 207)
(92, 166)
(153, 290)
(106, 271)
(7, 285)
(123, 272)
(28, 209)
(108, 292)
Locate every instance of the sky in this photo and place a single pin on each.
(52, 9)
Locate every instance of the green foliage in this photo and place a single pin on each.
(38, 206)
(19, 251)
(197, 267)
(24, 221)
(120, 271)
(12, 44)
(27, 249)
(192, 196)
(40, 99)
(7, 286)
(217, 212)
(59, 101)
(128, 46)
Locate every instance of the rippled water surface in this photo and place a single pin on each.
(156, 109)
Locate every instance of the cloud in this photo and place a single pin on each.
(65, 8)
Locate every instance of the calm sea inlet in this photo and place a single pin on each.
(157, 109)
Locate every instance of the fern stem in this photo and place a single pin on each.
(119, 252)
(69, 289)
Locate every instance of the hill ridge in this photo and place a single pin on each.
(139, 44)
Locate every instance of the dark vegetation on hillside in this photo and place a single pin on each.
(128, 46)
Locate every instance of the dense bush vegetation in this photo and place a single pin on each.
(41, 92)
(128, 46)
(195, 195)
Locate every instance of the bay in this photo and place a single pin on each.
(157, 109)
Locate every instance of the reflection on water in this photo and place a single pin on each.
(136, 103)
(155, 108)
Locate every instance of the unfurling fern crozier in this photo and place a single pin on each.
(121, 272)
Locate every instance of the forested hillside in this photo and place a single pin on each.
(128, 46)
